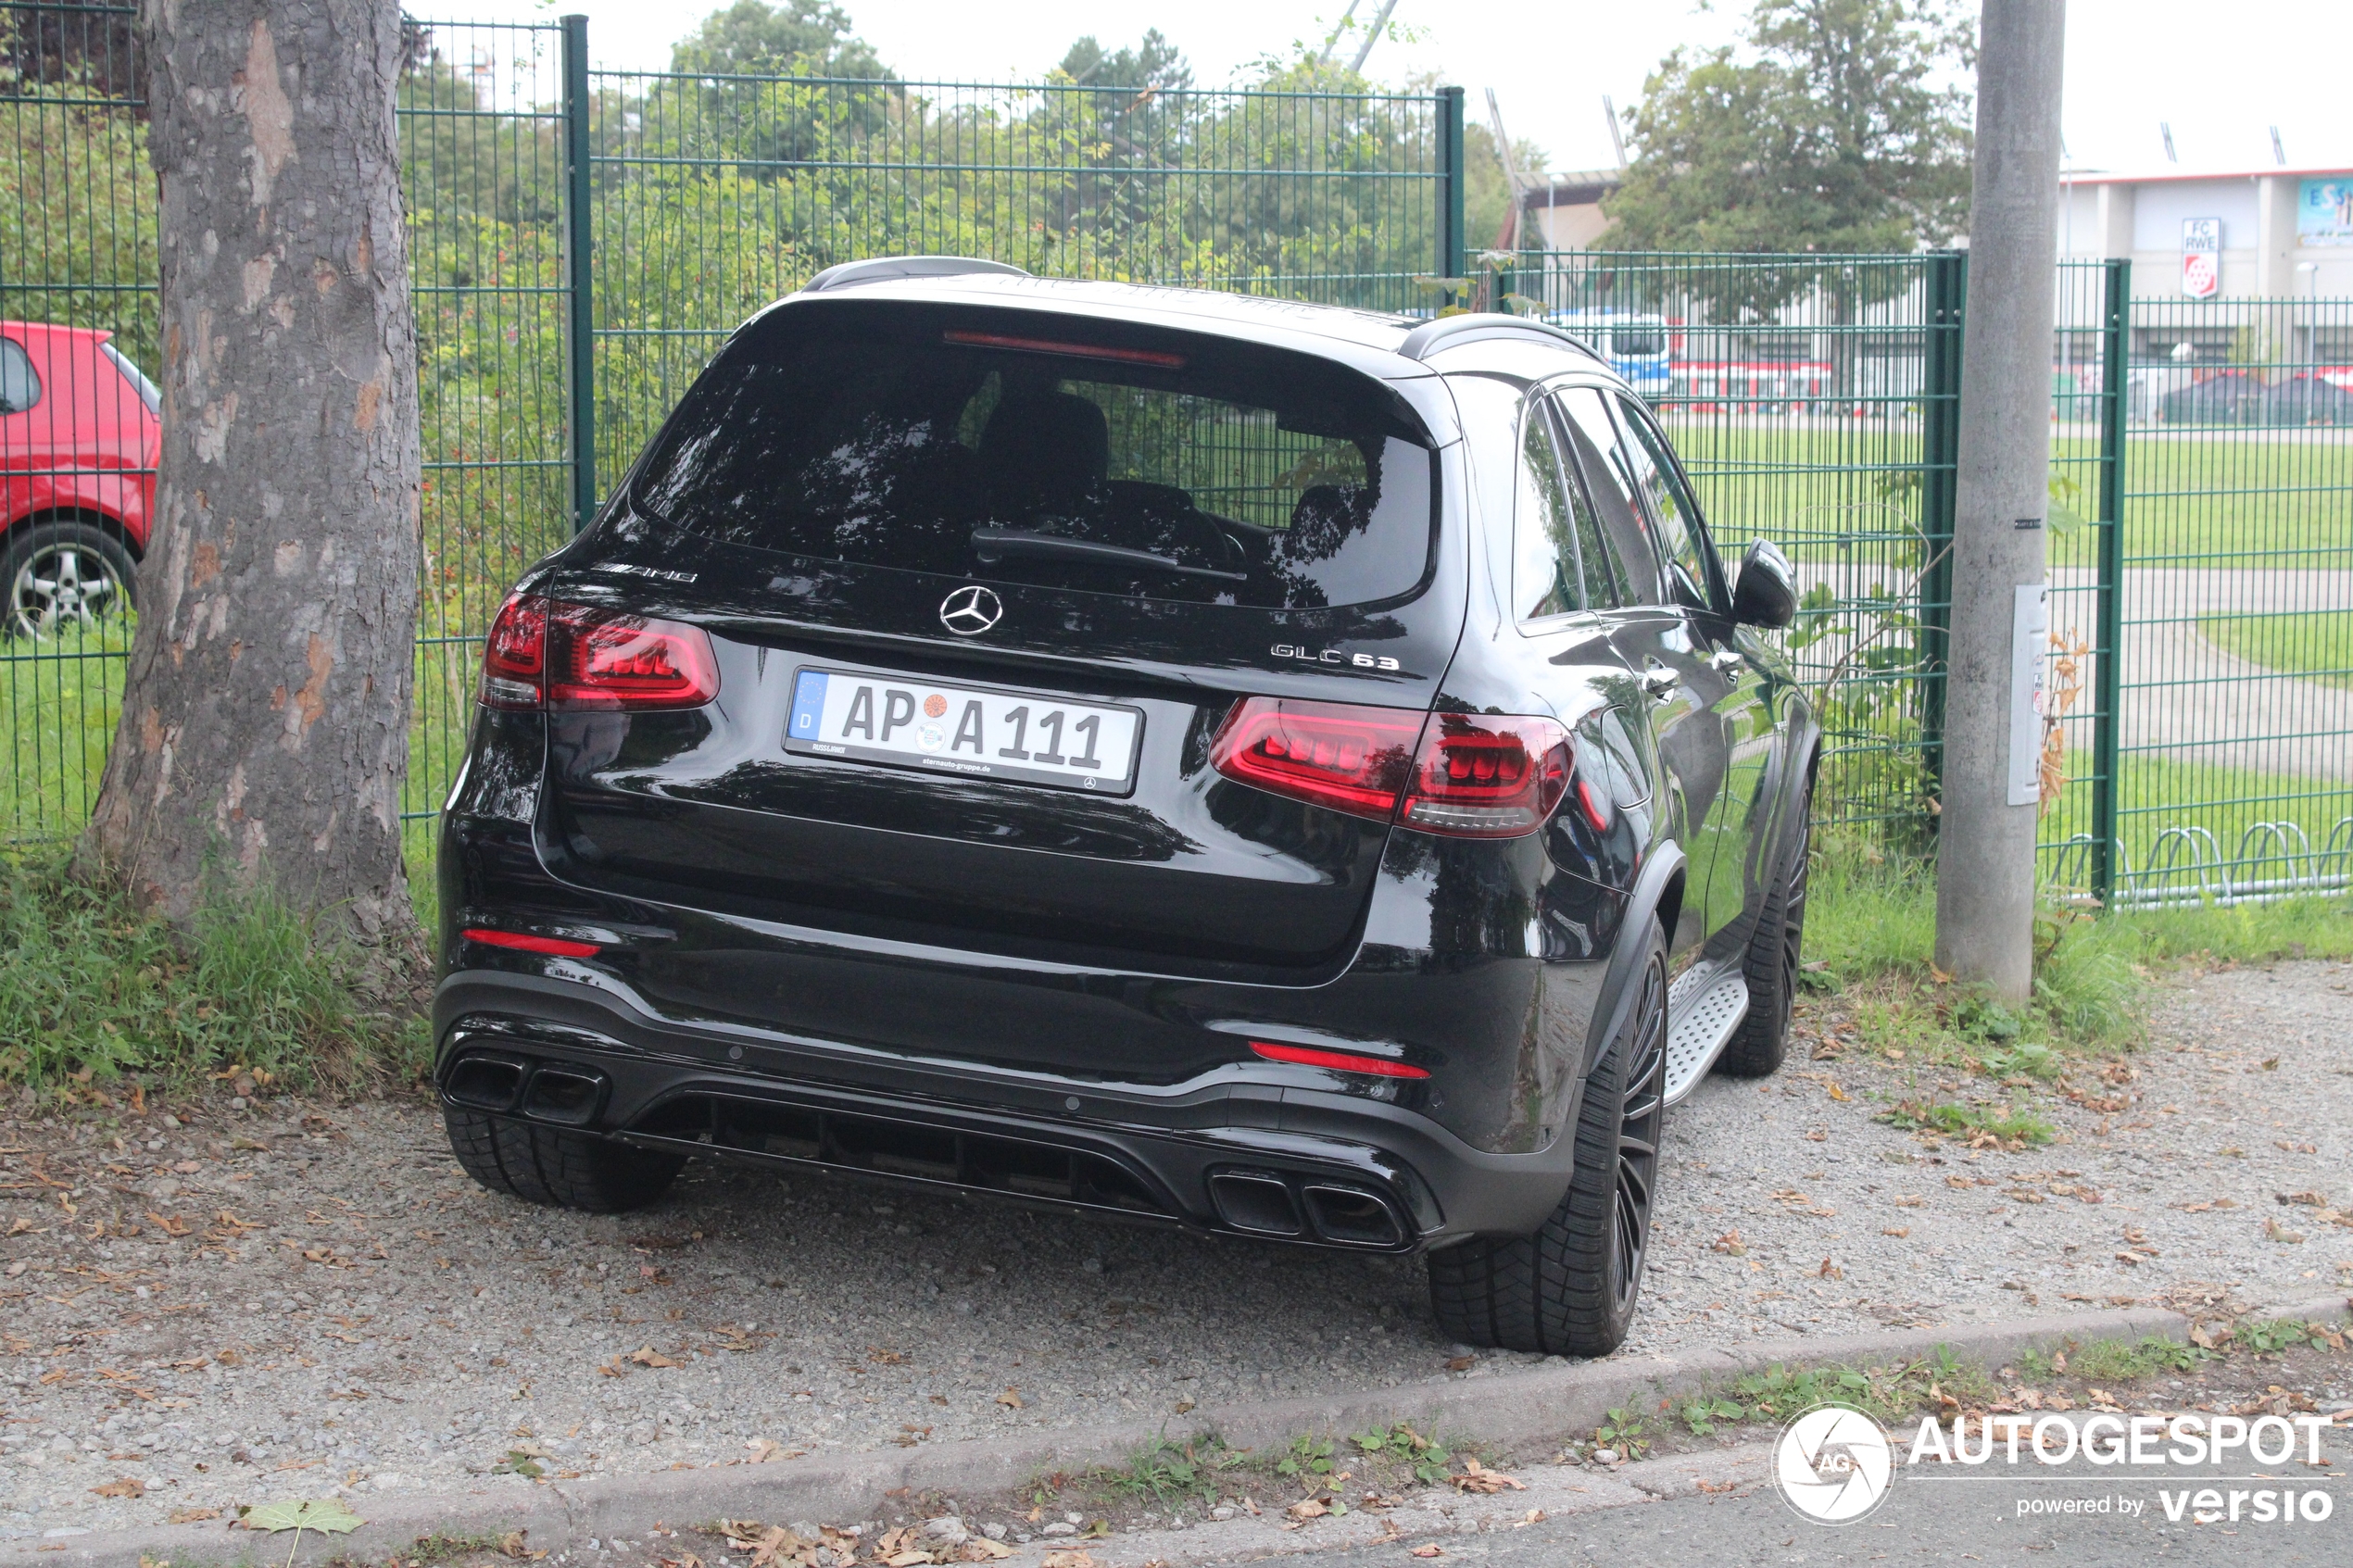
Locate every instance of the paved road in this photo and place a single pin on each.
(1927, 1520)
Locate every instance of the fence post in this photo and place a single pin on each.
(1453, 262)
(580, 334)
(1947, 289)
(2108, 676)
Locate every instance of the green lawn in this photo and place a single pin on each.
(2318, 643)
(58, 701)
(2237, 497)
(2162, 793)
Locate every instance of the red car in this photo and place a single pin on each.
(80, 432)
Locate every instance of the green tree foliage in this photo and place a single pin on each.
(1486, 192)
(1835, 126)
(753, 38)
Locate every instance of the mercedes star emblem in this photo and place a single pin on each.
(970, 610)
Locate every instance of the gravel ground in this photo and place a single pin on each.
(290, 1299)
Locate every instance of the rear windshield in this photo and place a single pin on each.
(1023, 448)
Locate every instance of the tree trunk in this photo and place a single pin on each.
(264, 732)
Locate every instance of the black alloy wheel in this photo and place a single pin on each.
(1572, 1287)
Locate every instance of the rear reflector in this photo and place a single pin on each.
(1339, 1062)
(554, 946)
(1468, 775)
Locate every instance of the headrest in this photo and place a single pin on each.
(1048, 444)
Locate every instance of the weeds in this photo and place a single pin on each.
(1426, 1457)
(94, 990)
(2011, 1126)
(2275, 1335)
(1623, 1431)
(1780, 1392)
(2114, 1361)
(1167, 1471)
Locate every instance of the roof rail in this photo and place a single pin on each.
(1470, 327)
(844, 274)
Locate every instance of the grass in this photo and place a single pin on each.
(1870, 937)
(2012, 1127)
(2192, 496)
(1886, 1393)
(94, 993)
(2316, 642)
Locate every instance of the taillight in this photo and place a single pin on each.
(1352, 759)
(598, 658)
(1481, 777)
(543, 654)
(514, 658)
(1465, 775)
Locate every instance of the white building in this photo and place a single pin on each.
(2278, 234)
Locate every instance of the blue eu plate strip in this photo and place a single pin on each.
(808, 704)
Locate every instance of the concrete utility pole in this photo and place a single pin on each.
(1993, 735)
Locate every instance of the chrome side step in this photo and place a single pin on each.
(1702, 1008)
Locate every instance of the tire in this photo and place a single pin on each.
(59, 576)
(1775, 949)
(1571, 1288)
(563, 1170)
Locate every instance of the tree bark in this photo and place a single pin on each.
(263, 739)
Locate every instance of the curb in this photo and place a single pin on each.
(1508, 1409)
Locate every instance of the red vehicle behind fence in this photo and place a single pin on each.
(80, 432)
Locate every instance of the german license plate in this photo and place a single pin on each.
(982, 734)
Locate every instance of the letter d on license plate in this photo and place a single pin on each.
(1025, 737)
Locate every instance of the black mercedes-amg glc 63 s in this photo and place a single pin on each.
(1246, 765)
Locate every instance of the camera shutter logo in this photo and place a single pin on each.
(1834, 1464)
(971, 610)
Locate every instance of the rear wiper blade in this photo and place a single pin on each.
(993, 545)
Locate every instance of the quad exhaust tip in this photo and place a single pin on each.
(1268, 1203)
(554, 1091)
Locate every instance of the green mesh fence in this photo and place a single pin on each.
(1813, 400)
(713, 195)
(582, 241)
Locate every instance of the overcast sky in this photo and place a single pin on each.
(2223, 71)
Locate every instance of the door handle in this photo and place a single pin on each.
(1726, 661)
(1659, 685)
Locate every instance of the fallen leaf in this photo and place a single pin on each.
(1830, 1270)
(305, 1514)
(129, 1486)
(1010, 1398)
(1896, 1231)
(511, 1545)
(1460, 1363)
(1428, 1548)
(647, 1356)
(1730, 1243)
(1308, 1508)
(1476, 1478)
(1067, 1560)
(192, 1515)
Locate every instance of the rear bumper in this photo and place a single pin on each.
(1225, 1150)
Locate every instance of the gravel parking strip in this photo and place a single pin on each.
(289, 1300)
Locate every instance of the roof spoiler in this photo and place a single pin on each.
(1447, 332)
(883, 268)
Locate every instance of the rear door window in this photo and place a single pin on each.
(1682, 537)
(1052, 452)
(1560, 563)
(1611, 485)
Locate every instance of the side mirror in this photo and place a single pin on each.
(1766, 593)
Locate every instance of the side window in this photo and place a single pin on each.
(1547, 519)
(1682, 535)
(19, 387)
(1610, 481)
